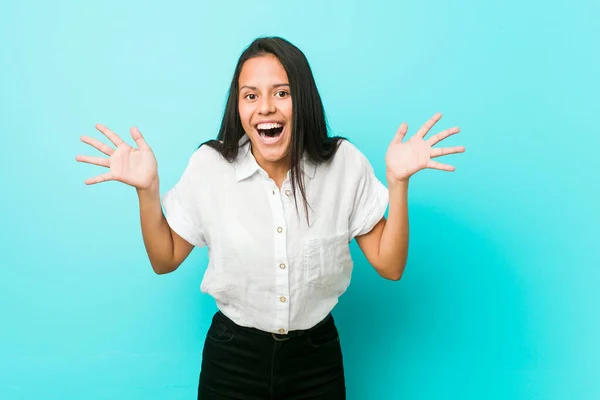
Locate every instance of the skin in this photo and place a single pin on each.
(137, 167)
(386, 245)
(264, 96)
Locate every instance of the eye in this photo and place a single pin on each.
(250, 96)
(282, 94)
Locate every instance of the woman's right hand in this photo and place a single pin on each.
(134, 167)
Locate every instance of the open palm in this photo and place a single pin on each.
(134, 167)
(404, 159)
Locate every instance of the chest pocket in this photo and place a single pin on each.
(328, 263)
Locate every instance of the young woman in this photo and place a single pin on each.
(277, 201)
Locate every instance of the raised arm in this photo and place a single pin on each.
(138, 168)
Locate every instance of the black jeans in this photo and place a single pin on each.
(246, 363)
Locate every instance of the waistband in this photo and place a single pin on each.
(277, 336)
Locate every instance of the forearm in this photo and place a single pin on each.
(156, 232)
(393, 246)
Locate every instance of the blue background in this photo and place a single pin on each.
(499, 298)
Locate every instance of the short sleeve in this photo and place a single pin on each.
(182, 205)
(371, 199)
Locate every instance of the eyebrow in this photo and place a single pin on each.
(274, 86)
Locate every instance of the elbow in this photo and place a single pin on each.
(392, 273)
(394, 276)
(160, 271)
(163, 269)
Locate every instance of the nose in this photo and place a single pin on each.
(266, 105)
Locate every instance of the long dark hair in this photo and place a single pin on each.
(309, 125)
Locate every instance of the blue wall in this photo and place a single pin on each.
(499, 298)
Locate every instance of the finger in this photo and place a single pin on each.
(139, 139)
(438, 137)
(106, 149)
(446, 150)
(437, 165)
(103, 162)
(100, 178)
(428, 125)
(401, 132)
(113, 137)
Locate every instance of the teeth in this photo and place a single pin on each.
(268, 139)
(269, 125)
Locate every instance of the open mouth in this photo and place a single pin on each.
(270, 132)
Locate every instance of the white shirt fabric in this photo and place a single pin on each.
(267, 268)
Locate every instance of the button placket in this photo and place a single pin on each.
(281, 295)
(286, 196)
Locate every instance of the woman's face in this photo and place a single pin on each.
(265, 108)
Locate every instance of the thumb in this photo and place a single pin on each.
(139, 139)
(400, 133)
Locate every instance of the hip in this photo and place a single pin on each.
(240, 361)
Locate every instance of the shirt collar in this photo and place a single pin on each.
(246, 165)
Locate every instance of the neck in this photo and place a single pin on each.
(276, 170)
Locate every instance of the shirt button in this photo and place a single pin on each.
(282, 299)
(282, 266)
(282, 330)
(287, 192)
(279, 229)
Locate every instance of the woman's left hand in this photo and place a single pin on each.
(403, 160)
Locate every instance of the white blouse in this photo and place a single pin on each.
(267, 268)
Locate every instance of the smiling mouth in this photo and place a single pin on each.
(270, 131)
